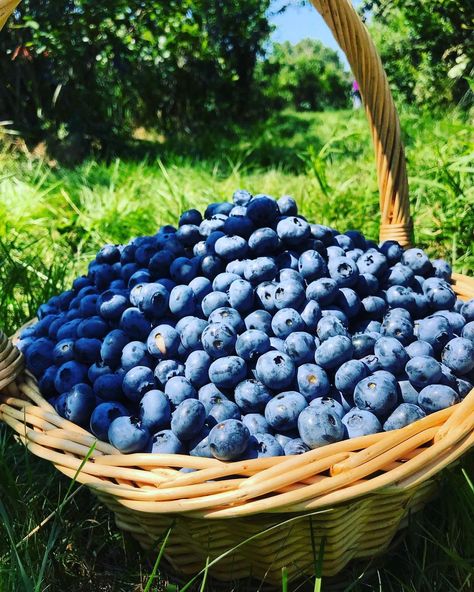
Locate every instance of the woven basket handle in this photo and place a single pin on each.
(355, 41)
(352, 36)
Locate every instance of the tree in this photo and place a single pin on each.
(427, 47)
(98, 69)
(305, 76)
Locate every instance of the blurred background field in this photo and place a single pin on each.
(102, 140)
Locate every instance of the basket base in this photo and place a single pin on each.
(284, 540)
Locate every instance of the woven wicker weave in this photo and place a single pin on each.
(353, 494)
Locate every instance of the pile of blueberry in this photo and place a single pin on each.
(249, 333)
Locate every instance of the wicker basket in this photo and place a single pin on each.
(11, 362)
(273, 512)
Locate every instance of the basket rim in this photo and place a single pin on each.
(380, 464)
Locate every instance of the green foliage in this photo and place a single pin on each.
(95, 70)
(427, 48)
(307, 76)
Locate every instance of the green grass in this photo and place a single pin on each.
(52, 220)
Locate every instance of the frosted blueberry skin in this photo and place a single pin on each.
(361, 422)
(334, 352)
(458, 355)
(228, 371)
(403, 415)
(252, 395)
(154, 410)
(349, 374)
(283, 410)
(328, 403)
(103, 415)
(436, 397)
(166, 442)
(127, 435)
(218, 340)
(319, 426)
(188, 419)
(228, 440)
(423, 370)
(256, 423)
(276, 370)
(377, 393)
(178, 389)
(391, 354)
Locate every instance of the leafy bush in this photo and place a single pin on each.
(95, 70)
(307, 76)
(427, 48)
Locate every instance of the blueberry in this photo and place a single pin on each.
(251, 344)
(134, 323)
(263, 211)
(252, 395)
(286, 321)
(263, 241)
(241, 197)
(209, 395)
(400, 296)
(419, 348)
(134, 354)
(330, 326)
(372, 262)
(265, 296)
(231, 247)
(283, 410)
(360, 422)
(199, 444)
(214, 301)
(141, 276)
(181, 301)
(182, 270)
(108, 387)
(408, 392)
(312, 266)
(468, 331)
(196, 368)
(278, 344)
(166, 442)
(391, 354)
(328, 403)
(349, 375)
(188, 419)
(222, 410)
(163, 341)
(190, 217)
(400, 328)
(178, 389)
(228, 371)
(46, 382)
(188, 234)
(403, 415)
(366, 285)
(127, 435)
(201, 287)
(467, 310)
(376, 393)
(323, 290)
(440, 297)
(137, 382)
(154, 300)
(263, 446)
(256, 423)
(40, 355)
(363, 344)
(418, 261)
(228, 316)
(319, 426)
(300, 347)
(456, 320)
(275, 370)
(260, 320)
(63, 351)
(68, 330)
(398, 275)
(423, 370)
(240, 225)
(92, 328)
(333, 352)
(392, 251)
(79, 403)
(103, 415)
(229, 439)
(218, 340)
(313, 382)
(191, 333)
(240, 295)
(435, 397)
(69, 374)
(154, 410)
(260, 269)
(435, 330)
(464, 387)
(160, 263)
(458, 355)
(344, 271)
(295, 446)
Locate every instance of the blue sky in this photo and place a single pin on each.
(299, 22)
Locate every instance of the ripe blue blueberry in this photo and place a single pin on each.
(377, 393)
(191, 333)
(349, 375)
(328, 403)
(69, 374)
(263, 446)
(222, 410)
(228, 316)
(344, 271)
(137, 382)
(196, 368)
(108, 387)
(127, 435)
(251, 344)
(163, 342)
(458, 355)
(178, 389)
(319, 426)
(166, 442)
(241, 296)
(289, 295)
(256, 423)
(333, 352)
(134, 354)
(228, 371)
(435, 397)
(103, 415)
(283, 410)
(261, 269)
(391, 354)
(300, 346)
(218, 340)
(360, 422)
(154, 411)
(252, 395)
(403, 415)
(423, 370)
(264, 241)
(188, 419)
(286, 321)
(323, 290)
(260, 320)
(229, 439)
(276, 370)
